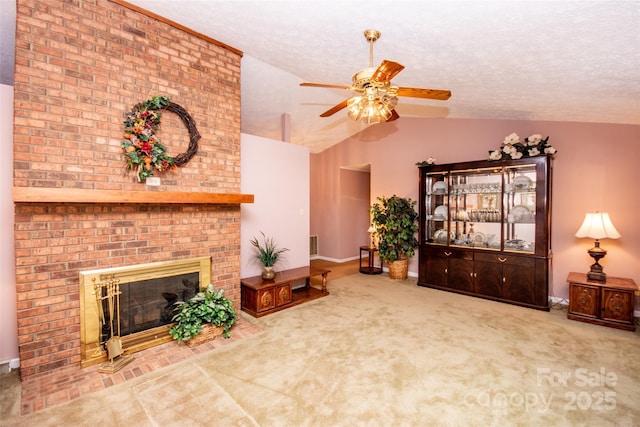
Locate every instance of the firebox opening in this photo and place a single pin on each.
(150, 303)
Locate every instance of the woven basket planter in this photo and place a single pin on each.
(208, 333)
(398, 269)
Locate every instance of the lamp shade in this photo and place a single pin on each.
(598, 225)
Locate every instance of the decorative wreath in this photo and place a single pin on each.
(143, 150)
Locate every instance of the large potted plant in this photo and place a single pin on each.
(205, 316)
(395, 221)
(267, 254)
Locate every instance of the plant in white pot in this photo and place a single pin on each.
(395, 221)
(267, 254)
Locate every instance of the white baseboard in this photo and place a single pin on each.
(560, 301)
(9, 365)
(339, 261)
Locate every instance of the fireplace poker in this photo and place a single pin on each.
(114, 344)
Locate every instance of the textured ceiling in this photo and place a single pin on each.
(532, 60)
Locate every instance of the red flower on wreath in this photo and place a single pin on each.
(142, 148)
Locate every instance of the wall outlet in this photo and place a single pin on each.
(153, 181)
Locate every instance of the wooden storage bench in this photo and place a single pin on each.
(260, 297)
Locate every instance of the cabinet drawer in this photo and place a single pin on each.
(584, 300)
(617, 306)
(266, 299)
(283, 294)
(505, 259)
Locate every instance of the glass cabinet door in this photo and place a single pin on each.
(476, 208)
(437, 208)
(520, 208)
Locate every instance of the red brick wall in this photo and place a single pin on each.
(80, 66)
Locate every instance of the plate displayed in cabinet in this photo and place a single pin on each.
(522, 183)
(440, 212)
(440, 187)
(440, 236)
(521, 214)
(478, 239)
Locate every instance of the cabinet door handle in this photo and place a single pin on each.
(504, 279)
(446, 271)
(447, 253)
(501, 259)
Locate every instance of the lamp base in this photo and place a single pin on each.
(596, 273)
(597, 276)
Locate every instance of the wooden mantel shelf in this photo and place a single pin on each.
(78, 195)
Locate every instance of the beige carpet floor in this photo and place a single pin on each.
(378, 352)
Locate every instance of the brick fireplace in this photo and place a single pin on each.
(80, 66)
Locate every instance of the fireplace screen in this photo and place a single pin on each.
(146, 296)
(147, 304)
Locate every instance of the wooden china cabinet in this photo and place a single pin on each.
(485, 229)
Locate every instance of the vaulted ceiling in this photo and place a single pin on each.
(558, 60)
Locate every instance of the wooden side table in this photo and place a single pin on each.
(261, 297)
(609, 304)
(371, 267)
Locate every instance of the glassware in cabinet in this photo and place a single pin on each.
(476, 202)
(437, 208)
(520, 208)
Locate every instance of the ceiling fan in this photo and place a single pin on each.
(376, 97)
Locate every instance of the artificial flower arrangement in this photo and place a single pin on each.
(429, 162)
(141, 146)
(532, 146)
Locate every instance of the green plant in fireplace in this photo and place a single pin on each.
(208, 306)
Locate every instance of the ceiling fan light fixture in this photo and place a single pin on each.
(355, 107)
(371, 109)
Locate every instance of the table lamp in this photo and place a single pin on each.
(372, 240)
(597, 226)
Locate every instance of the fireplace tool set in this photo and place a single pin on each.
(109, 291)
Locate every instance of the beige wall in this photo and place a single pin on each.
(277, 173)
(597, 167)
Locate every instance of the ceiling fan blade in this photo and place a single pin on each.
(386, 71)
(329, 85)
(394, 116)
(416, 92)
(335, 108)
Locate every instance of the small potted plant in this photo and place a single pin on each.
(207, 315)
(394, 219)
(267, 254)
